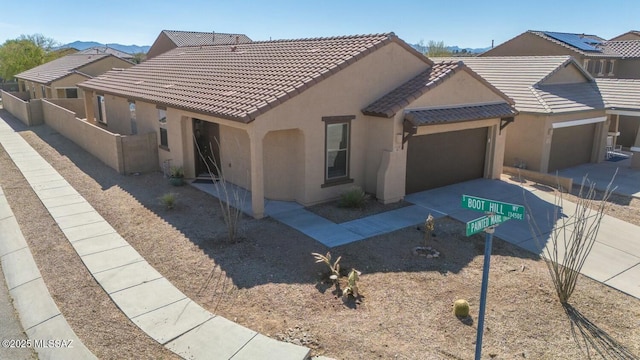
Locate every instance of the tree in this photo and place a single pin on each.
(24, 53)
(437, 49)
(139, 57)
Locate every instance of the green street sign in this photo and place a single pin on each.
(511, 211)
(477, 225)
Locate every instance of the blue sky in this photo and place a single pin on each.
(459, 22)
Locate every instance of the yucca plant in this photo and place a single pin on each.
(353, 198)
(334, 269)
(429, 226)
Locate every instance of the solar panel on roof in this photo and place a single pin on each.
(576, 40)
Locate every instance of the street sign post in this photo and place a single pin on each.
(512, 211)
(496, 212)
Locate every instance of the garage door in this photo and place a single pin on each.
(445, 158)
(571, 146)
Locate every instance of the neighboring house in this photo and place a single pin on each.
(107, 50)
(561, 121)
(59, 78)
(601, 58)
(171, 39)
(622, 98)
(304, 120)
(629, 35)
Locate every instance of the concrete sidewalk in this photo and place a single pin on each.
(148, 299)
(39, 315)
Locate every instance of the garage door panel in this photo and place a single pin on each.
(446, 158)
(571, 146)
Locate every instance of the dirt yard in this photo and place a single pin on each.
(268, 280)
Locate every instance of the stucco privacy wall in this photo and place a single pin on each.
(74, 105)
(29, 112)
(131, 155)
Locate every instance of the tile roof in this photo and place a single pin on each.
(460, 113)
(106, 50)
(620, 94)
(403, 95)
(59, 68)
(522, 79)
(242, 81)
(194, 38)
(624, 48)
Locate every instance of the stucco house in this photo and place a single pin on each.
(105, 49)
(304, 120)
(629, 35)
(618, 58)
(58, 78)
(171, 39)
(562, 120)
(622, 98)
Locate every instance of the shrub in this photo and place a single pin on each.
(176, 172)
(461, 308)
(353, 198)
(168, 200)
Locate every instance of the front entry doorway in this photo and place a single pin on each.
(206, 147)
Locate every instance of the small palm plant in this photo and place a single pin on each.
(334, 268)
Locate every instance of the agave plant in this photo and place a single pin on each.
(334, 268)
(352, 284)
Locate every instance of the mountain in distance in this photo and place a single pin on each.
(454, 49)
(131, 49)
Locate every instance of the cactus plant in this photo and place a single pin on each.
(461, 308)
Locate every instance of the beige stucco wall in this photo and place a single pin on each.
(528, 44)
(118, 115)
(67, 82)
(344, 93)
(567, 75)
(459, 89)
(627, 69)
(530, 136)
(161, 45)
(103, 65)
(74, 105)
(287, 159)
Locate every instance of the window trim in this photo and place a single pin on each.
(346, 179)
(102, 109)
(162, 125)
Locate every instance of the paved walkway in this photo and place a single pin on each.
(627, 180)
(149, 300)
(614, 260)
